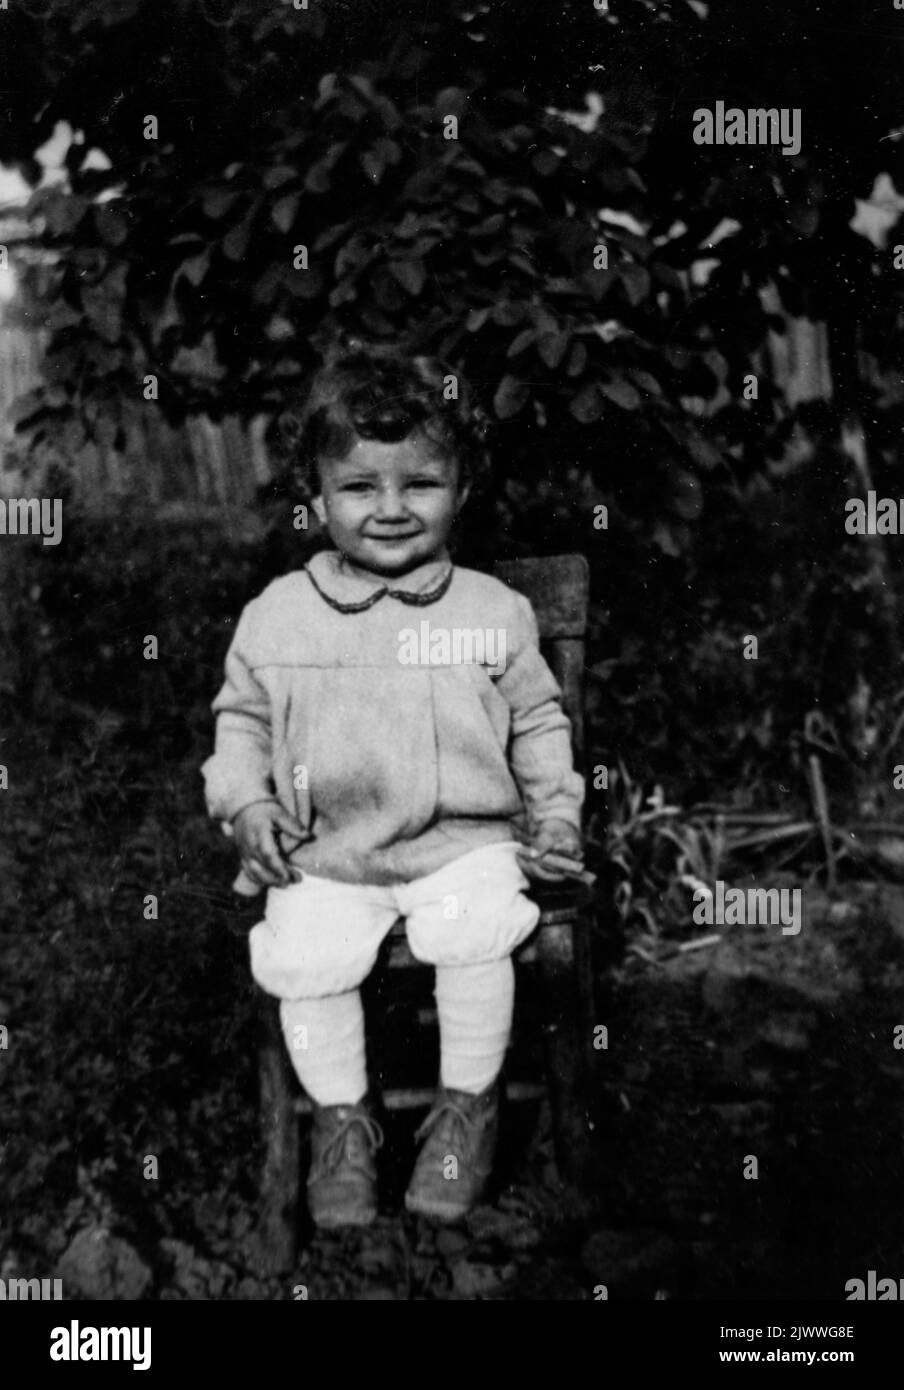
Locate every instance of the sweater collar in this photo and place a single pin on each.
(350, 590)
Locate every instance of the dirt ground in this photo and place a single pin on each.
(129, 1142)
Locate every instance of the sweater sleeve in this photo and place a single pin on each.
(239, 771)
(540, 752)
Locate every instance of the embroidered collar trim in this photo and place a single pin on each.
(329, 566)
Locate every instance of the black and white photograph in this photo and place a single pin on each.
(451, 682)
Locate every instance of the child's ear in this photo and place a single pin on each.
(464, 493)
(319, 508)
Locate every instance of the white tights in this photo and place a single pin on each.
(325, 1036)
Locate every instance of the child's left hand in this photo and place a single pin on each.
(557, 837)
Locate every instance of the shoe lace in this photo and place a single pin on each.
(459, 1123)
(334, 1152)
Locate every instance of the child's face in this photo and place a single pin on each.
(389, 507)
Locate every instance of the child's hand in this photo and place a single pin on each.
(553, 837)
(263, 860)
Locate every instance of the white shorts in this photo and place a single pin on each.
(320, 937)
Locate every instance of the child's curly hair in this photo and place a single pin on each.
(383, 393)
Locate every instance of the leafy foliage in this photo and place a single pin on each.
(325, 129)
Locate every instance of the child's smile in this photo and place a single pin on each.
(389, 507)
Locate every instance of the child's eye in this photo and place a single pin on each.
(424, 482)
(356, 487)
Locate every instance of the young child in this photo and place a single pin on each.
(389, 744)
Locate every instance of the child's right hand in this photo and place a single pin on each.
(255, 829)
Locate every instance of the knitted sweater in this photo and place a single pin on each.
(404, 722)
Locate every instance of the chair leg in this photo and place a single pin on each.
(280, 1183)
(563, 955)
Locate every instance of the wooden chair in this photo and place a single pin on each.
(560, 949)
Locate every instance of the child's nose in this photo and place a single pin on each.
(390, 505)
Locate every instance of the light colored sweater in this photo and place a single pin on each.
(403, 734)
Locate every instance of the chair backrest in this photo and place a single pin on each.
(558, 589)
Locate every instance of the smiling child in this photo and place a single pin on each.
(362, 787)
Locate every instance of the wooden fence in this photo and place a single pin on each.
(206, 465)
(203, 463)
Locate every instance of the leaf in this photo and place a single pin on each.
(667, 275)
(703, 451)
(112, 225)
(418, 249)
(671, 539)
(545, 321)
(330, 235)
(521, 341)
(686, 499)
(218, 202)
(646, 381)
(277, 176)
(498, 192)
(235, 243)
(353, 255)
(343, 294)
(588, 404)
(804, 218)
(636, 280)
(577, 360)
(622, 393)
(103, 310)
(363, 86)
(373, 166)
(511, 396)
(167, 317)
(195, 268)
(597, 282)
(63, 213)
(522, 263)
(105, 432)
(527, 195)
(285, 211)
(270, 284)
(27, 405)
(476, 319)
(307, 284)
(201, 361)
(552, 347)
(450, 101)
(63, 316)
(466, 165)
(507, 314)
(388, 150)
(545, 163)
(490, 227)
(317, 178)
(419, 188)
(410, 274)
(679, 357)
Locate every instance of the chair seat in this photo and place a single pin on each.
(561, 906)
(557, 901)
